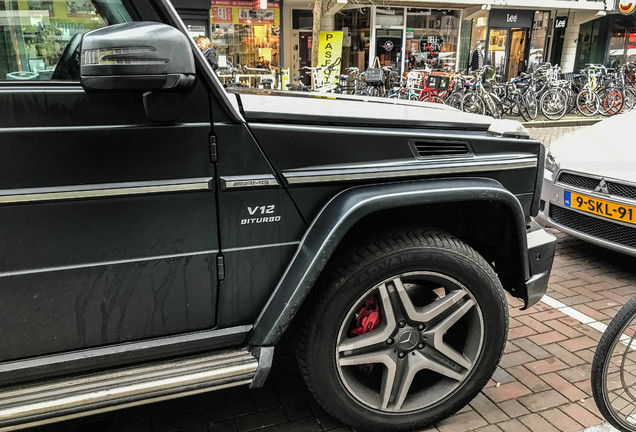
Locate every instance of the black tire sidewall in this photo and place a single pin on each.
(482, 284)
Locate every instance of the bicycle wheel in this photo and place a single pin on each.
(433, 99)
(630, 98)
(613, 102)
(522, 108)
(491, 106)
(530, 99)
(554, 103)
(455, 100)
(588, 103)
(614, 370)
(472, 103)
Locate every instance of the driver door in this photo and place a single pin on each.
(107, 220)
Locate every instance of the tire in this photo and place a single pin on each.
(554, 104)
(612, 102)
(532, 105)
(522, 108)
(491, 106)
(613, 370)
(403, 271)
(455, 100)
(472, 103)
(588, 103)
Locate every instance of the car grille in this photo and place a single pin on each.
(592, 226)
(590, 183)
(578, 181)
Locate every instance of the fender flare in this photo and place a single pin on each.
(345, 210)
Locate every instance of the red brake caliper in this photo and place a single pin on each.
(367, 318)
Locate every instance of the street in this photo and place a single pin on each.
(541, 385)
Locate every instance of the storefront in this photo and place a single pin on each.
(414, 38)
(516, 41)
(610, 40)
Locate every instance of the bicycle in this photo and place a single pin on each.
(613, 374)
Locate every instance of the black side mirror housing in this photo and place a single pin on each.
(137, 56)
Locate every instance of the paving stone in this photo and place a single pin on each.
(515, 358)
(528, 379)
(521, 331)
(547, 338)
(488, 410)
(546, 365)
(513, 408)
(302, 425)
(531, 348)
(504, 392)
(543, 400)
(576, 374)
(579, 343)
(565, 356)
(193, 422)
(489, 428)
(581, 414)
(228, 411)
(536, 423)
(535, 325)
(560, 420)
(261, 419)
(225, 426)
(562, 328)
(567, 389)
(513, 425)
(461, 422)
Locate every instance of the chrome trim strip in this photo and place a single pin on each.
(249, 181)
(105, 263)
(261, 246)
(49, 129)
(125, 405)
(9, 196)
(321, 176)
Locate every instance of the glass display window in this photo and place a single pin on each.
(431, 39)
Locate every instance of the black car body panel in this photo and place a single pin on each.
(130, 243)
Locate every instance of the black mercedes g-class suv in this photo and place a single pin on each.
(160, 235)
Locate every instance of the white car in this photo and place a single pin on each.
(589, 184)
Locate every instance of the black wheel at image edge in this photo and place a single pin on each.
(600, 363)
(443, 323)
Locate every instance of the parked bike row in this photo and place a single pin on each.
(547, 91)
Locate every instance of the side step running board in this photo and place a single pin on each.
(45, 402)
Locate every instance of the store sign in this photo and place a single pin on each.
(388, 46)
(560, 22)
(242, 12)
(330, 51)
(506, 18)
(626, 7)
(431, 43)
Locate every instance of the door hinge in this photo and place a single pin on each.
(213, 155)
(220, 267)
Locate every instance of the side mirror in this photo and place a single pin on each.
(137, 56)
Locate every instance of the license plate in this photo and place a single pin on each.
(608, 209)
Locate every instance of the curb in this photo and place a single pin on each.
(561, 123)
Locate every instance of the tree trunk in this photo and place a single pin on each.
(315, 34)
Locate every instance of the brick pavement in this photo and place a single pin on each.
(548, 135)
(541, 385)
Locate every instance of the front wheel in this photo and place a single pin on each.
(614, 370)
(404, 332)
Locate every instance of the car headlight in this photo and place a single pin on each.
(551, 163)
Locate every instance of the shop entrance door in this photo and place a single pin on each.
(388, 47)
(517, 52)
(507, 51)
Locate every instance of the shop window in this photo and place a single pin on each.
(355, 25)
(431, 38)
(537, 53)
(388, 17)
(40, 38)
(246, 40)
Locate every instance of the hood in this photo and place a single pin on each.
(605, 149)
(317, 108)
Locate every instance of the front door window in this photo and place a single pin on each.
(497, 42)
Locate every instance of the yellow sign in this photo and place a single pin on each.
(329, 53)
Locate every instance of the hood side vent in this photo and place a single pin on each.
(426, 149)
